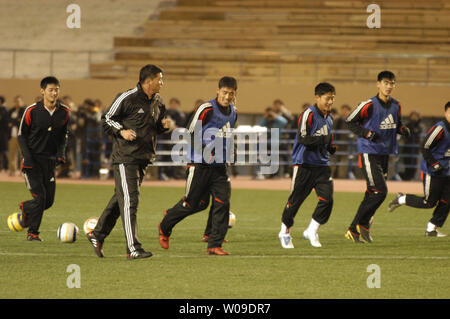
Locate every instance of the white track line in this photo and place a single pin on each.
(163, 255)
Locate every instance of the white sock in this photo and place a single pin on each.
(402, 200)
(431, 227)
(313, 227)
(284, 229)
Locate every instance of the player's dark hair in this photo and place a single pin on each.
(447, 105)
(49, 80)
(386, 75)
(149, 71)
(228, 82)
(278, 101)
(324, 88)
(2, 99)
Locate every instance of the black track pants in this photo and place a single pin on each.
(374, 169)
(304, 180)
(40, 180)
(124, 203)
(202, 181)
(436, 191)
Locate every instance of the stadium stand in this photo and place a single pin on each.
(289, 40)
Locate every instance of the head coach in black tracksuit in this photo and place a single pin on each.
(42, 139)
(133, 120)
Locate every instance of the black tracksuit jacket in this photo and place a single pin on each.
(134, 110)
(42, 135)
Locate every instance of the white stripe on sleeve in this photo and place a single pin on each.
(357, 110)
(433, 135)
(200, 109)
(114, 108)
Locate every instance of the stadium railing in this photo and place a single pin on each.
(98, 150)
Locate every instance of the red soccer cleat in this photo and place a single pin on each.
(163, 239)
(216, 251)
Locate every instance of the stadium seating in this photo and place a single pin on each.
(288, 40)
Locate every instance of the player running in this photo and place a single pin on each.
(311, 160)
(376, 122)
(42, 139)
(435, 167)
(207, 172)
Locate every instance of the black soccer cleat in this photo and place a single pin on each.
(34, 237)
(138, 254)
(394, 203)
(434, 233)
(96, 244)
(364, 233)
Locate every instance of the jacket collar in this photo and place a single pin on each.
(447, 124)
(387, 104)
(142, 95)
(41, 103)
(320, 112)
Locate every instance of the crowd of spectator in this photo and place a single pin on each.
(88, 148)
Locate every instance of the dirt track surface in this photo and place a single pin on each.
(340, 185)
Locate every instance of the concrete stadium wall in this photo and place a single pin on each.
(251, 98)
(29, 29)
(40, 26)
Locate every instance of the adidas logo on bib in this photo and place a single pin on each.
(225, 131)
(322, 131)
(388, 123)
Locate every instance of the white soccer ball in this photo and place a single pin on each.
(68, 232)
(232, 220)
(90, 224)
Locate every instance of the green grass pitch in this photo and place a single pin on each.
(410, 265)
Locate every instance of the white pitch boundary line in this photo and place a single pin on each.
(247, 256)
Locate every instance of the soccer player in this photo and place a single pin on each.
(133, 120)
(207, 172)
(311, 160)
(435, 167)
(376, 123)
(42, 138)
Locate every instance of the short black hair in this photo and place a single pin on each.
(2, 99)
(228, 82)
(447, 105)
(324, 88)
(149, 71)
(386, 75)
(49, 80)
